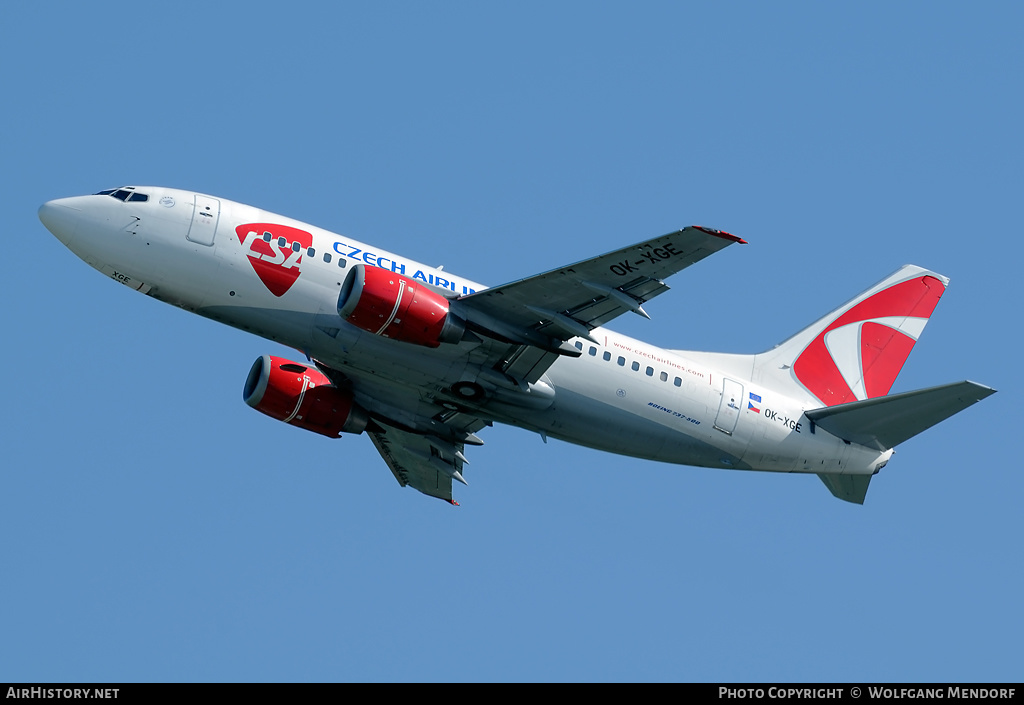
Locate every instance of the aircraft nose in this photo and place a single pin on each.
(60, 218)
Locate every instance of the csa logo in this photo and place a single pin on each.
(277, 265)
(860, 353)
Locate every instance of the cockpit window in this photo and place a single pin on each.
(126, 193)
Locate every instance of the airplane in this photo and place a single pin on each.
(422, 360)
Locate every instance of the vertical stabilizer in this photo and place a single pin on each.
(849, 488)
(856, 352)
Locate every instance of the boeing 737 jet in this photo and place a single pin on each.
(422, 360)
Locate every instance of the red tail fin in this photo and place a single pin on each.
(861, 351)
(857, 351)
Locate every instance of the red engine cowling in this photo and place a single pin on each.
(302, 396)
(394, 306)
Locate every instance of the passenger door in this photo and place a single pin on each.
(204, 220)
(729, 408)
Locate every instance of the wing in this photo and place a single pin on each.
(541, 312)
(425, 463)
(596, 290)
(422, 443)
(521, 329)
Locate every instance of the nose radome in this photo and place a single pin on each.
(60, 218)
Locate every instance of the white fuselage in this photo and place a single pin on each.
(622, 395)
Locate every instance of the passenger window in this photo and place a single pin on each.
(650, 371)
(636, 366)
(593, 351)
(341, 262)
(281, 242)
(266, 237)
(579, 345)
(327, 257)
(311, 252)
(621, 361)
(678, 382)
(607, 356)
(664, 376)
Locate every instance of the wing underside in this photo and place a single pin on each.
(425, 463)
(514, 333)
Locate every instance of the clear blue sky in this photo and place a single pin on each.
(155, 528)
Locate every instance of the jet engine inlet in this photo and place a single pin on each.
(302, 396)
(394, 306)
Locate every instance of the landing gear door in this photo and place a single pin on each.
(729, 409)
(204, 220)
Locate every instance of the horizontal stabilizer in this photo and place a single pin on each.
(849, 488)
(885, 422)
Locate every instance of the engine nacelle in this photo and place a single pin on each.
(394, 306)
(302, 396)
